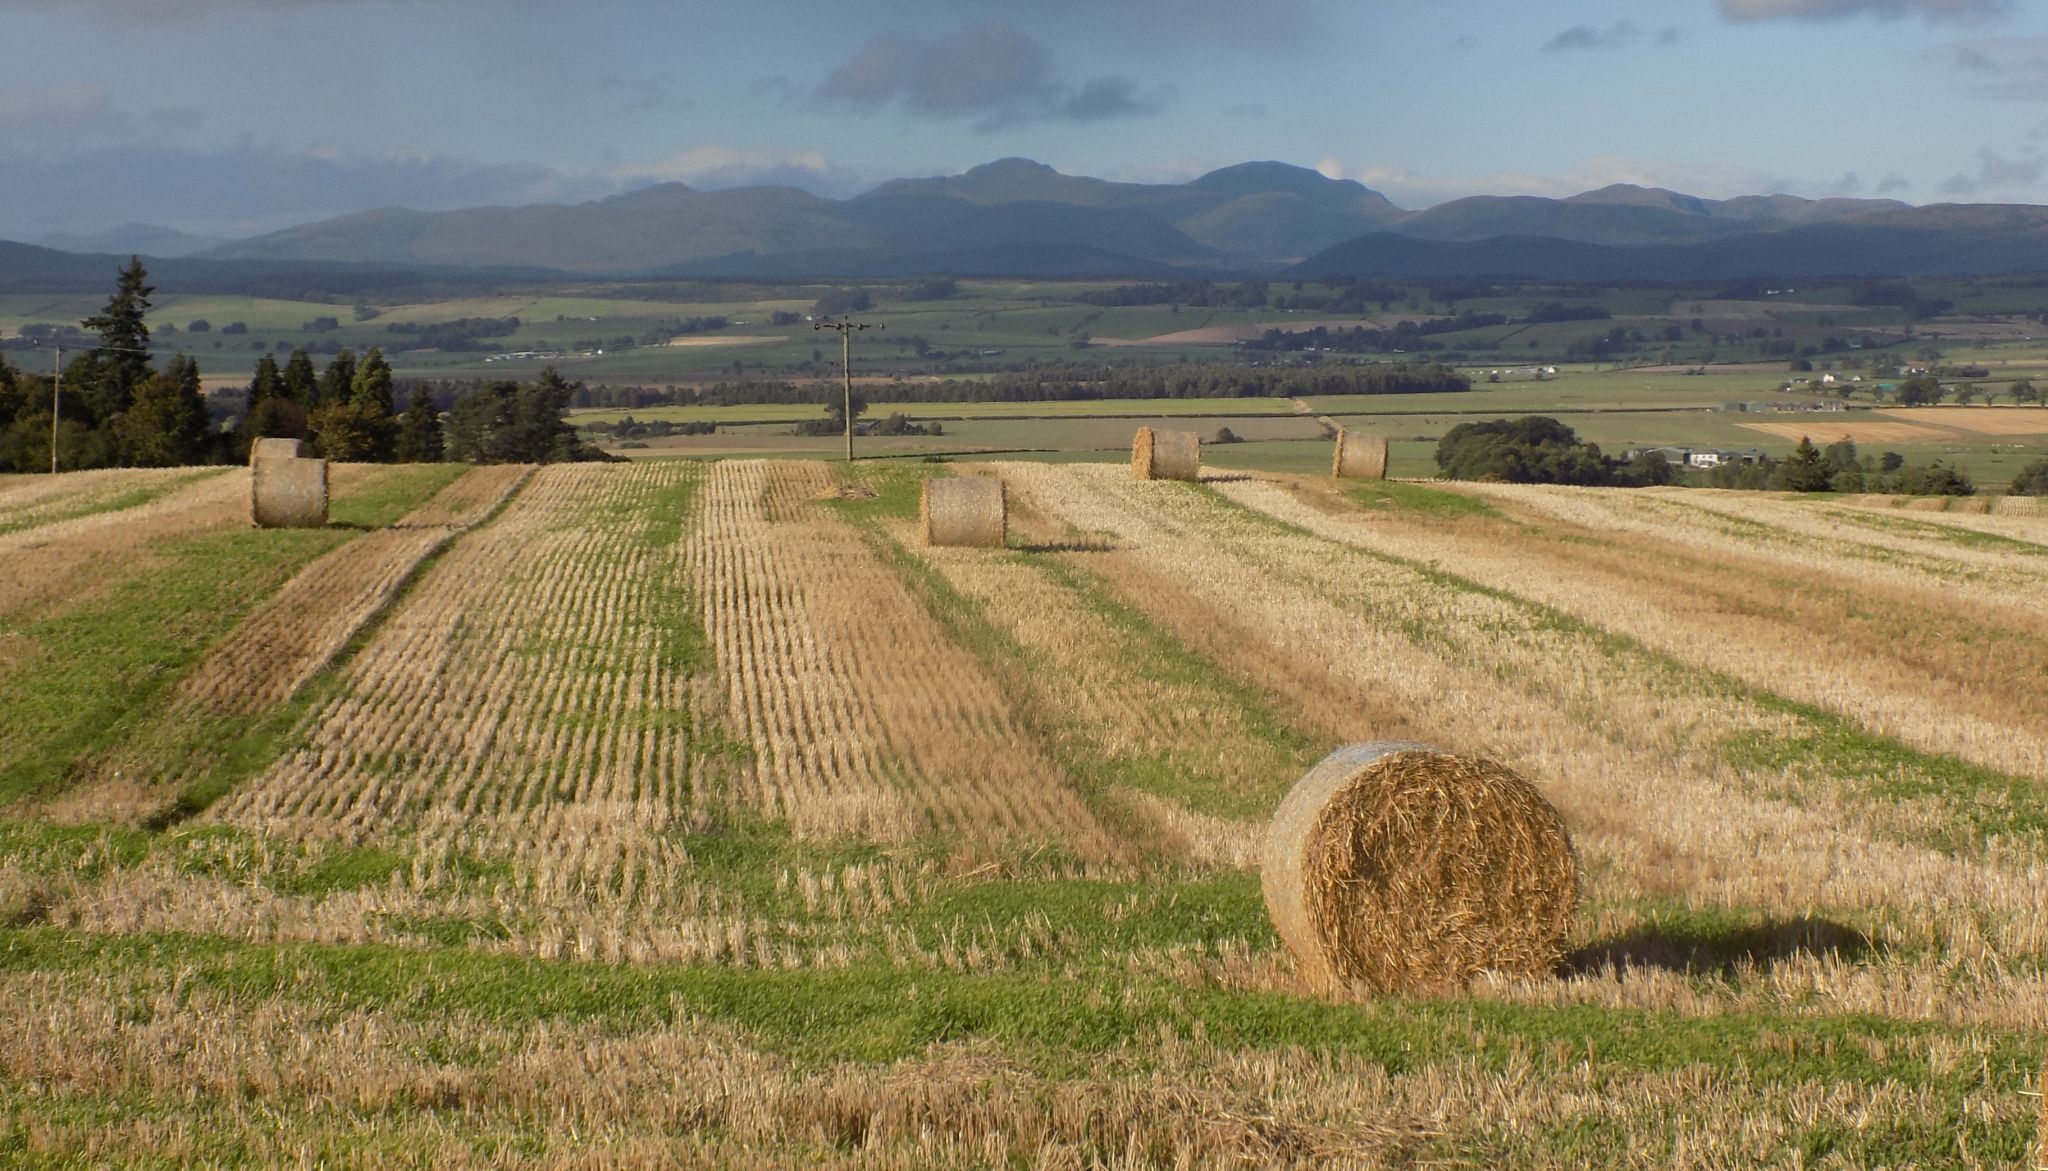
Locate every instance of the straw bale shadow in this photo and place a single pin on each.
(1227, 477)
(1721, 952)
(1066, 545)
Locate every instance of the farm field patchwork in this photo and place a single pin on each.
(696, 814)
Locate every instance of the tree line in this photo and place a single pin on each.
(114, 408)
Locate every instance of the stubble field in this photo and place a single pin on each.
(695, 814)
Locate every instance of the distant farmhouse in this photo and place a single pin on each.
(1699, 457)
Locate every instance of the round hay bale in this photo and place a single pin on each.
(1360, 456)
(963, 510)
(1392, 867)
(263, 449)
(1166, 455)
(288, 493)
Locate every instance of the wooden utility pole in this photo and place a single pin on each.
(847, 327)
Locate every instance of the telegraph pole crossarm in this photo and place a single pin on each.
(847, 327)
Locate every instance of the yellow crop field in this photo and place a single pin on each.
(677, 814)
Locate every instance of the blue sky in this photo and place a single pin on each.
(229, 117)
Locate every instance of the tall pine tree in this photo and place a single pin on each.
(121, 361)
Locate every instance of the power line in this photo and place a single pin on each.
(847, 327)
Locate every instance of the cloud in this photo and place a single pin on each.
(1410, 188)
(163, 11)
(246, 190)
(1995, 172)
(1620, 35)
(1468, 41)
(62, 112)
(1111, 97)
(1893, 182)
(643, 95)
(1956, 11)
(711, 168)
(989, 70)
(68, 115)
(2006, 68)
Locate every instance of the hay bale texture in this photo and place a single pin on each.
(1392, 867)
(963, 510)
(288, 493)
(264, 449)
(1359, 456)
(1166, 455)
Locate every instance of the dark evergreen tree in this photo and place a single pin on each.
(1805, 470)
(165, 425)
(506, 422)
(419, 432)
(370, 397)
(121, 361)
(13, 397)
(301, 384)
(337, 381)
(268, 382)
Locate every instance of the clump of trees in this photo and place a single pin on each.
(1537, 449)
(2032, 480)
(1199, 294)
(513, 422)
(114, 407)
(1839, 467)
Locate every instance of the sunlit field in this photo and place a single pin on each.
(696, 813)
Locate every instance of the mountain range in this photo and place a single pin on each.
(1015, 217)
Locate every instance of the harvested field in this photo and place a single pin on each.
(673, 814)
(1824, 430)
(727, 340)
(307, 622)
(2013, 420)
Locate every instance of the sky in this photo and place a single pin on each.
(234, 117)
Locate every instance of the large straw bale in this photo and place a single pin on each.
(1359, 456)
(1392, 867)
(1166, 455)
(963, 510)
(288, 493)
(264, 449)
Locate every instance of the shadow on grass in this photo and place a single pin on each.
(1073, 545)
(1695, 951)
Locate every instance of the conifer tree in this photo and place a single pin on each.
(301, 384)
(165, 424)
(121, 360)
(267, 383)
(419, 431)
(337, 380)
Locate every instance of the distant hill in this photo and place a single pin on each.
(134, 239)
(1624, 214)
(1016, 217)
(1258, 214)
(28, 268)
